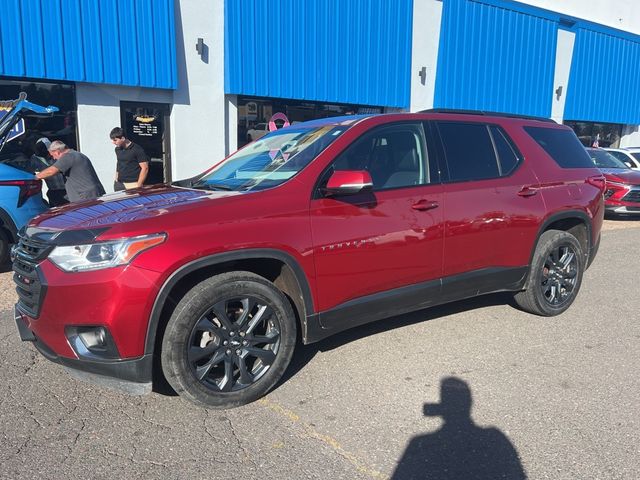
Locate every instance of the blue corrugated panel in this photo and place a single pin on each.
(356, 51)
(604, 85)
(124, 42)
(495, 58)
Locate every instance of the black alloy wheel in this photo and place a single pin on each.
(234, 343)
(555, 274)
(559, 275)
(229, 340)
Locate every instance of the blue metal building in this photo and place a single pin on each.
(237, 62)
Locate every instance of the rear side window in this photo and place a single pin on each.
(507, 154)
(561, 145)
(469, 151)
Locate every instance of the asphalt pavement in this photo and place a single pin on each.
(476, 389)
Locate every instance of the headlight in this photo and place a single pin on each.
(96, 256)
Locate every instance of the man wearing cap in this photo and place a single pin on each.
(132, 162)
(82, 180)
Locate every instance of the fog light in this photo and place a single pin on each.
(93, 338)
(92, 341)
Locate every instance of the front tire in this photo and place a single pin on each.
(555, 275)
(229, 340)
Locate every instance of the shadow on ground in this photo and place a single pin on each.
(459, 450)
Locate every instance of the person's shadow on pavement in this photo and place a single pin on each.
(460, 449)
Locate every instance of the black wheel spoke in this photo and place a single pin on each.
(247, 307)
(245, 377)
(220, 311)
(196, 353)
(265, 339)
(263, 313)
(202, 370)
(567, 260)
(204, 325)
(267, 356)
(226, 383)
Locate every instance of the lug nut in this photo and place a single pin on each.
(238, 352)
(244, 342)
(225, 343)
(242, 334)
(231, 334)
(228, 352)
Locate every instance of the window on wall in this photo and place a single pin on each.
(592, 134)
(254, 114)
(60, 126)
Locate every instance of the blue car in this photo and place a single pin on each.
(20, 193)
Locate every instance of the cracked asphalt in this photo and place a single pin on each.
(552, 398)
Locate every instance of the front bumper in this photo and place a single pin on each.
(133, 376)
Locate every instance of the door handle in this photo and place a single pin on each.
(424, 205)
(527, 192)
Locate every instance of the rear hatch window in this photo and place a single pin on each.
(561, 145)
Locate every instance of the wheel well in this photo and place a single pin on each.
(276, 271)
(576, 227)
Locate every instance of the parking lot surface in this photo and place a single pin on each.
(475, 389)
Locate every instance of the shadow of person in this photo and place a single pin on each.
(460, 449)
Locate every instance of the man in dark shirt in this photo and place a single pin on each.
(133, 163)
(82, 180)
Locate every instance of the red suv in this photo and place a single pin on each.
(313, 229)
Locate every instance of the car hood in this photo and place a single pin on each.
(126, 206)
(631, 177)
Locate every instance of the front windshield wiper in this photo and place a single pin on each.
(212, 186)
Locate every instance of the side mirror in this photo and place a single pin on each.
(348, 182)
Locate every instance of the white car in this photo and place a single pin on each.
(629, 156)
(258, 131)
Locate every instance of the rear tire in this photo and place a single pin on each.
(555, 275)
(229, 340)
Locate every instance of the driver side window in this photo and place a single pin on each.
(394, 156)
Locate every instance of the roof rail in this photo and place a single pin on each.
(482, 112)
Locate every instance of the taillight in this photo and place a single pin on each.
(28, 188)
(597, 181)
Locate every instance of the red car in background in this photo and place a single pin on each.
(622, 194)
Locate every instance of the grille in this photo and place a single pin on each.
(29, 282)
(632, 196)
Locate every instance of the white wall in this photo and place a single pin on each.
(427, 16)
(198, 120)
(564, 53)
(200, 115)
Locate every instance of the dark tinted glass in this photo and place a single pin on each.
(393, 156)
(469, 151)
(506, 155)
(561, 145)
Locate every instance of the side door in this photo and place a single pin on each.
(379, 253)
(493, 209)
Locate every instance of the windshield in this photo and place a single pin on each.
(604, 159)
(270, 161)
